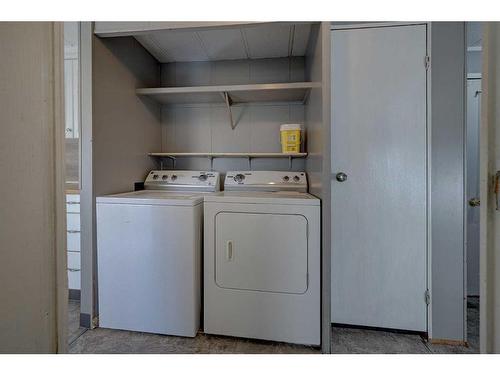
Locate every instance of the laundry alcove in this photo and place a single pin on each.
(199, 96)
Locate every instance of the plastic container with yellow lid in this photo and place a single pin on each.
(290, 138)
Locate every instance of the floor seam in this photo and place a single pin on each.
(77, 337)
(427, 346)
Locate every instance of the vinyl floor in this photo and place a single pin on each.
(344, 340)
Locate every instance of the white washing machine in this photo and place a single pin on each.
(262, 258)
(149, 251)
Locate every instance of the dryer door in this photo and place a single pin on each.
(261, 252)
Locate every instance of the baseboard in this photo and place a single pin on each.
(85, 320)
(448, 342)
(74, 294)
(370, 328)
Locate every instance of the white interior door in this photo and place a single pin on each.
(473, 120)
(379, 140)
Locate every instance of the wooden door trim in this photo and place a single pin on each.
(59, 187)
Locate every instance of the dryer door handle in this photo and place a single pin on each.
(229, 251)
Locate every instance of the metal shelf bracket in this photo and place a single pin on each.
(168, 157)
(229, 103)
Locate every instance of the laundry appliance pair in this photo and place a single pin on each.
(259, 241)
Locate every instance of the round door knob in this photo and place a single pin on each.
(474, 202)
(341, 177)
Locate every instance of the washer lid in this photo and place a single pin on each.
(153, 197)
(276, 197)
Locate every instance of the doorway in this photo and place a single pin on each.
(473, 110)
(72, 172)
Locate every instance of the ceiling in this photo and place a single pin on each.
(249, 42)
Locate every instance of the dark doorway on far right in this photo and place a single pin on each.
(474, 55)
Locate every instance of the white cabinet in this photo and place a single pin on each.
(74, 260)
(73, 240)
(74, 279)
(73, 222)
(72, 204)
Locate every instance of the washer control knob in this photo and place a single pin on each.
(203, 177)
(239, 177)
(296, 178)
(286, 178)
(155, 177)
(174, 177)
(164, 177)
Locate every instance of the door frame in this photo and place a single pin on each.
(429, 179)
(486, 151)
(469, 77)
(88, 301)
(428, 140)
(59, 186)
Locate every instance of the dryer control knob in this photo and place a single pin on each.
(286, 178)
(296, 178)
(239, 177)
(202, 177)
(155, 177)
(174, 177)
(164, 177)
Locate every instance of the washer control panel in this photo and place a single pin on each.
(183, 180)
(265, 181)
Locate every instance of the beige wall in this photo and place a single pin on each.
(490, 217)
(119, 129)
(31, 138)
(125, 127)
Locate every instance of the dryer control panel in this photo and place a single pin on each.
(265, 181)
(173, 180)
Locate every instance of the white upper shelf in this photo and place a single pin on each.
(253, 93)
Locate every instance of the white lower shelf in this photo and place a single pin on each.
(228, 154)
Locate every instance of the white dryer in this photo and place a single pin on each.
(149, 251)
(262, 258)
